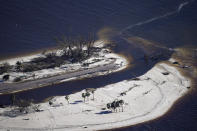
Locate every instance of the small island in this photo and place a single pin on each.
(74, 59)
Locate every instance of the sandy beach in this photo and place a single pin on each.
(146, 97)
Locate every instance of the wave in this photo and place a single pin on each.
(180, 7)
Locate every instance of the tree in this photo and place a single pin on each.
(93, 93)
(121, 102)
(87, 95)
(84, 96)
(115, 104)
(18, 66)
(92, 90)
(108, 105)
(90, 43)
(67, 98)
(74, 47)
(6, 77)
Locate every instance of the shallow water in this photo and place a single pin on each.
(31, 25)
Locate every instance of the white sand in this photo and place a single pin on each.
(146, 99)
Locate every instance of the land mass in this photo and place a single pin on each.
(144, 98)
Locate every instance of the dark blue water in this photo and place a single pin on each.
(33, 24)
(30, 25)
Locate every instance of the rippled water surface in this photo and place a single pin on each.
(31, 25)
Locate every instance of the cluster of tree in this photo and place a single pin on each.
(87, 93)
(84, 95)
(115, 104)
(76, 49)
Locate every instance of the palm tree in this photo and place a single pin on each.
(67, 98)
(87, 94)
(113, 105)
(108, 105)
(84, 96)
(121, 102)
(18, 66)
(93, 90)
(116, 103)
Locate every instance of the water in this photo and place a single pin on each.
(31, 25)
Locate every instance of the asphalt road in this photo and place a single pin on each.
(20, 86)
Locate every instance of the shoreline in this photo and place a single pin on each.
(149, 100)
(26, 54)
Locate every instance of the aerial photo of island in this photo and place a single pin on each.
(86, 65)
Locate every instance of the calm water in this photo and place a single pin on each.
(27, 26)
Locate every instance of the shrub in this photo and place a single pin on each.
(17, 79)
(30, 67)
(4, 68)
(6, 77)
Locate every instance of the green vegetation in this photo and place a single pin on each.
(115, 104)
